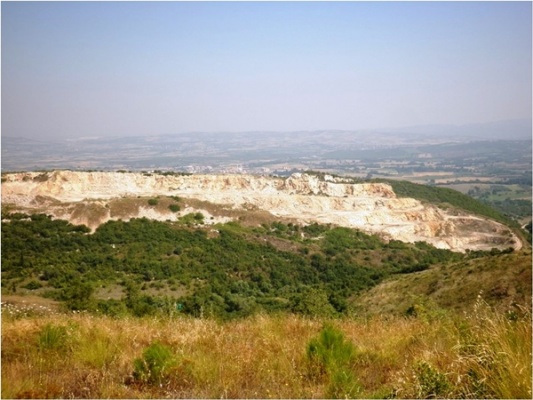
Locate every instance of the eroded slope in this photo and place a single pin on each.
(370, 207)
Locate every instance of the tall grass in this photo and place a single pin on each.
(496, 353)
(480, 355)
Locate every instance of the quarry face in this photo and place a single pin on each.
(90, 198)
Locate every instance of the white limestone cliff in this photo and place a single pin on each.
(370, 207)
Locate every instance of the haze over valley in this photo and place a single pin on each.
(356, 151)
(491, 162)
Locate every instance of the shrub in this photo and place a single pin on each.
(112, 307)
(153, 202)
(431, 382)
(193, 218)
(155, 364)
(199, 217)
(33, 285)
(330, 349)
(312, 302)
(78, 296)
(331, 357)
(174, 207)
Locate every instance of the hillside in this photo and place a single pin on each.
(503, 281)
(46, 355)
(145, 267)
(92, 198)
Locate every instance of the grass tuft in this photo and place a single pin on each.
(53, 338)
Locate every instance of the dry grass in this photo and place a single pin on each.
(125, 207)
(247, 215)
(93, 212)
(503, 280)
(480, 355)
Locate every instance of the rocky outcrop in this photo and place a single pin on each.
(370, 207)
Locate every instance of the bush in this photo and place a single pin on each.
(78, 296)
(153, 202)
(330, 349)
(199, 217)
(431, 383)
(331, 357)
(193, 218)
(312, 302)
(155, 364)
(174, 207)
(33, 285)
(112, 307)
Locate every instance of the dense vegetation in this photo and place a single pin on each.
(515, 208)
(145, 267)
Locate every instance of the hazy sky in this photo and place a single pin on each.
(136, 68)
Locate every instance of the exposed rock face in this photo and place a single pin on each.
(370, 207)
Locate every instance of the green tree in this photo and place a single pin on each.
(313, 302)
(78, 296)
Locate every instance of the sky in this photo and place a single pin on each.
(84, 69)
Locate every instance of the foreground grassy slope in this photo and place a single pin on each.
(503, 280)
(483, 355)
